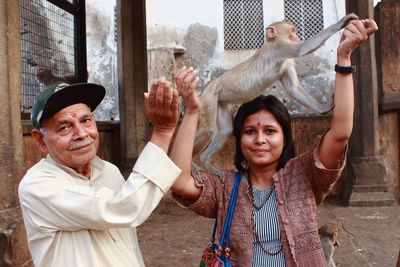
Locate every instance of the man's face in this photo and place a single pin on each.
(70, 137)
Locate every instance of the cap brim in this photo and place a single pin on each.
(90, 94)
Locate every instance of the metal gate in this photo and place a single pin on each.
(53, 46)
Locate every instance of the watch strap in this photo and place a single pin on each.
(348, 69)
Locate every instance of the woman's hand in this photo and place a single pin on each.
(186, 80)
(355, 32)
(181, 153)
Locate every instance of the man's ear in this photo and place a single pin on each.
(271, 32)
(38, 137)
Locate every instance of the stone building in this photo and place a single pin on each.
(147, 46)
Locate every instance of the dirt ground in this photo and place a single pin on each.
(368, 237)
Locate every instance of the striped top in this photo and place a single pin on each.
(267, 227)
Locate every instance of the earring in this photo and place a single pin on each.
(244, 164)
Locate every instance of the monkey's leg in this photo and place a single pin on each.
(203, 138)
(292, 85)
(207, 124)
(218, 140)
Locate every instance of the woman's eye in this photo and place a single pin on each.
(269, 131)
(249, 131)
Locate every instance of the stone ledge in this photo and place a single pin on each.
(371, 199)
(369, 188)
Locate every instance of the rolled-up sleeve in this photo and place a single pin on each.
(154, 165)
(323, 179)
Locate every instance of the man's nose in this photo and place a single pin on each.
(80, 131)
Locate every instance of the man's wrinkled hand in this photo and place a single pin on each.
(161, 106)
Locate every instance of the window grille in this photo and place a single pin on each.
(307, 15)
(243, 24)
(50, 43)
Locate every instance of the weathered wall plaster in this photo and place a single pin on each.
(102, 55)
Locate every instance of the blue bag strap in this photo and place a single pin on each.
(214, 230)
(224, 240)
(236, 188)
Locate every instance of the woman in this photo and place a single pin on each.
(274, 222)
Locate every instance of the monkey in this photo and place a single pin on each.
(328, 234)
(46, 77)
(5, 246)
(273, 62)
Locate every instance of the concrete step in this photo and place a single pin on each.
(371, 199)
(370, 188)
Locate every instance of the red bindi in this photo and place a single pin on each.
(258, 124)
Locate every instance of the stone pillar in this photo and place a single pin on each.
(387, 14)
(132, 77)
(368, 172)
(13, 244)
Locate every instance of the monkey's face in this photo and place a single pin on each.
(262, 140)
(283, 30)
(331, 231)
(291, 31)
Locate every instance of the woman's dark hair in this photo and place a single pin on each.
(281, 114)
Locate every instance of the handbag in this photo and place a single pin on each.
(217, 255)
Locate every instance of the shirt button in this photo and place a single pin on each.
(276, 179)
(285, 221)
(281, 202)
(291, 243)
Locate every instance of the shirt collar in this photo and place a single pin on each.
(96, 164)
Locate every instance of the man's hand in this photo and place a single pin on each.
(186, 80)
(161, 107)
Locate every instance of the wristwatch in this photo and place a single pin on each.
(349, 69)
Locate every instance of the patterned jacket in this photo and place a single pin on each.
(302, 184)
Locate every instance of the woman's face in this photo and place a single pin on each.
(262, 140)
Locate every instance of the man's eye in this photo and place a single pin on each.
(87, 121)
(64, 128)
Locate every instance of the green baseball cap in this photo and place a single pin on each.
(60, 95)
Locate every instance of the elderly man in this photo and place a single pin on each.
(78, 210)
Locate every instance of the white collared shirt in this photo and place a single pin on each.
(74, 221)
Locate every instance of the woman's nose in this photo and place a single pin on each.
(260, 138)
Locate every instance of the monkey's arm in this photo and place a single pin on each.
(312, 44)
(335, 140)
(182, 149)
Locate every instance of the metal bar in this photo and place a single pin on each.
(67, 6)
(80, 39)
